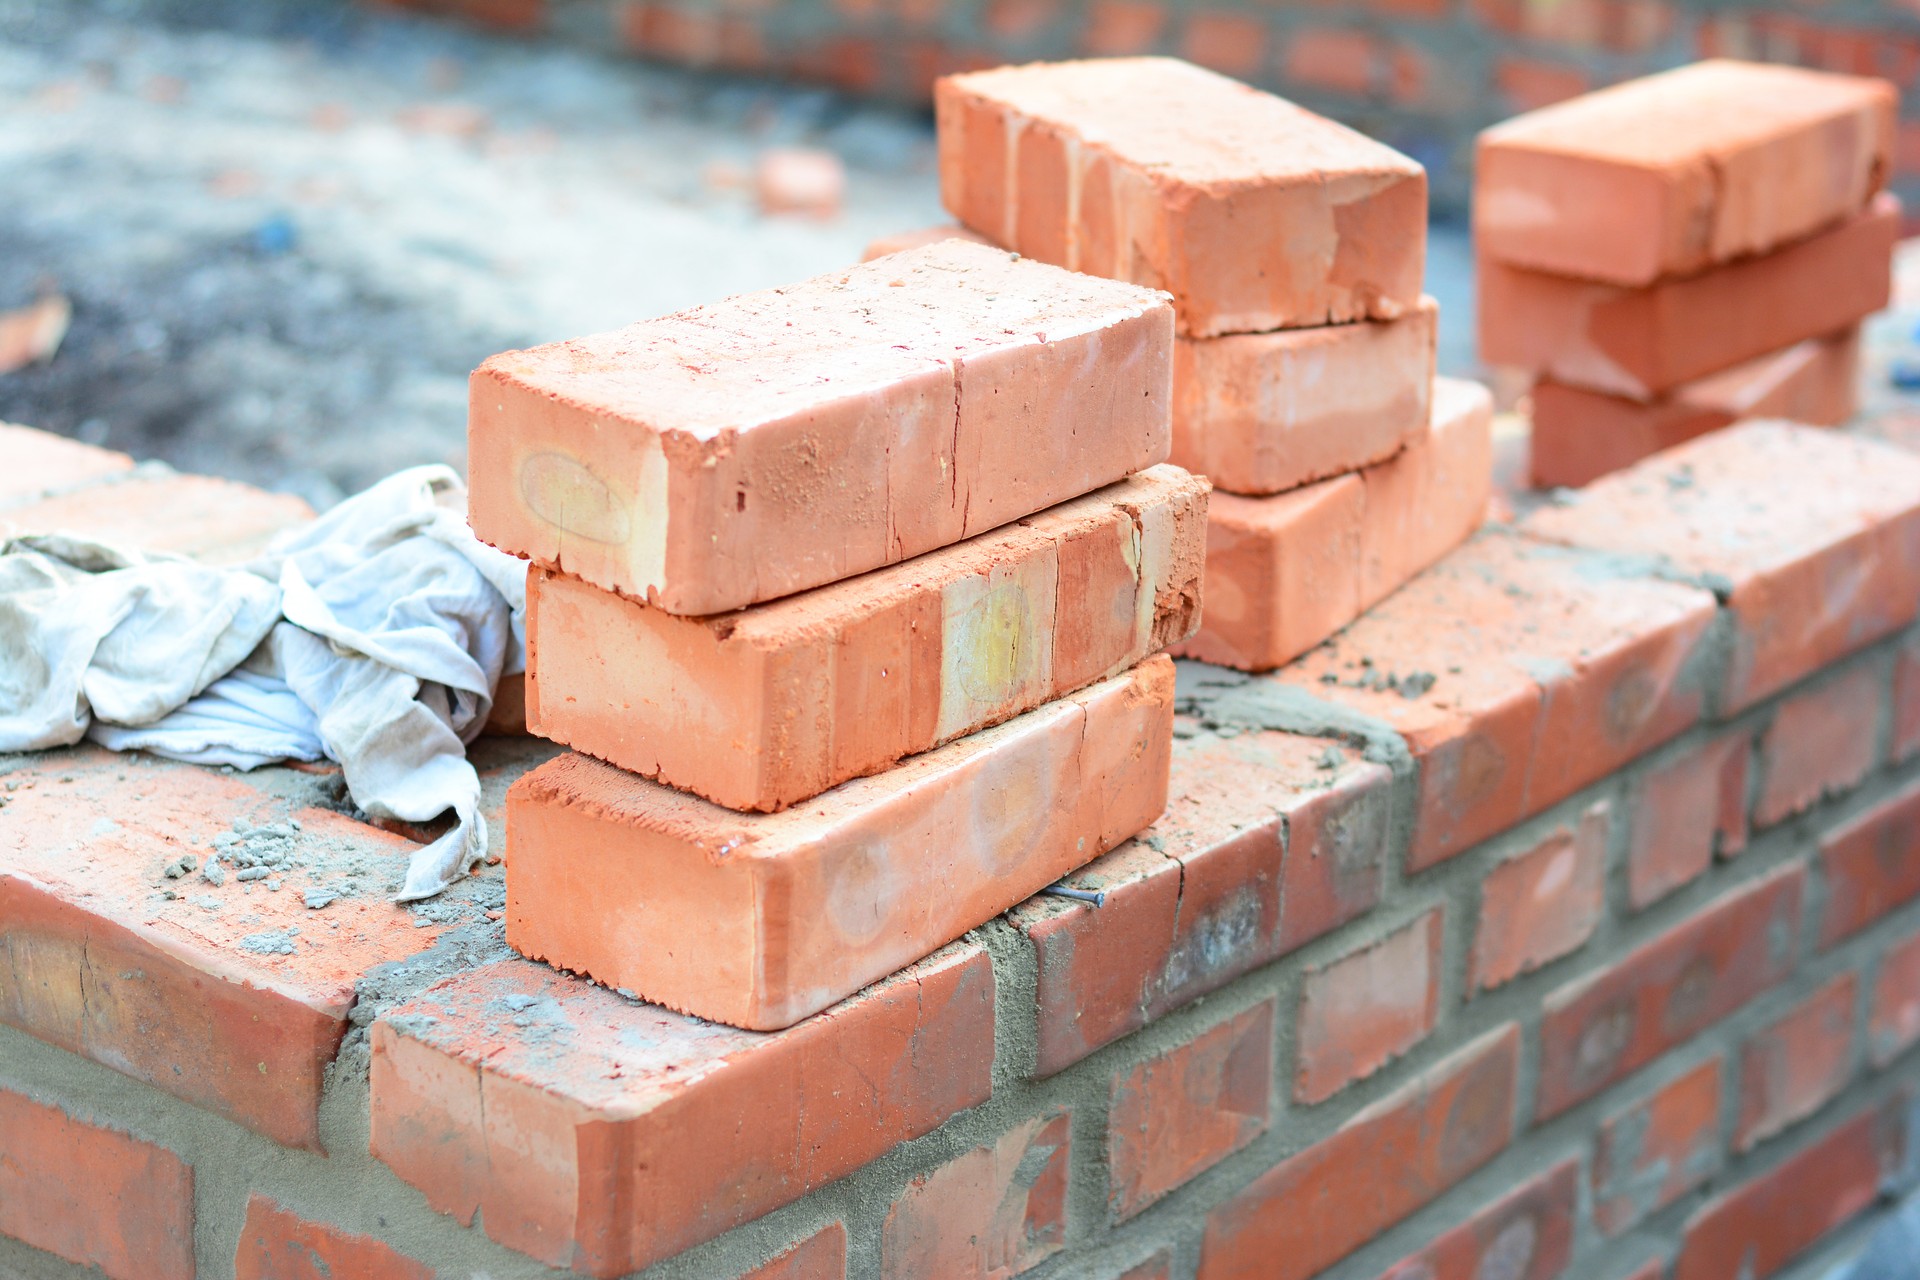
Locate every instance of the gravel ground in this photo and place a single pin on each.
(290, 227)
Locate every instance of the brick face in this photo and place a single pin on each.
(1657, 1150)
(821, 1256)
(1895, 1024)
(1600, 1028)
(1793, 1067)
(105, 1200)
(1182, 1112)
(1756, 1228)
(1317, 1207)
(1544, 903)
(1871, 865)
(1365, 1009)
(1684, 813)
(995, 1211)
(1527, 1235)
(1821, 743)
(276, 1244)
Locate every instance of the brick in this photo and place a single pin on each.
(1254, 213)
(1618, 26)
(1181, 1112)
(773, 704)
(1684, 813)
(758, 920)
(918, 239)
(799, 180)
(108, 1200)
(1679, 171)
(1158, 1267)
(1544, 903)
(1267, 843)
(821, 1256)
(1526, 1235)
(1601, 1028)
(1822, 742)
(277, 1244)
(1797, 1064)
(592, 1132)
(1755, 1229)
(1233, 44)
(1121, 28)
(1894, 1025)
(1392, 1158)
(41, 463)
(1651, 1154)
(233, 997)
(1335, 60)
(1871, 865)
(1581, 435)
(1517, 674)
(1773, 516)
(1286, 572)
(1651, 340)
(1261, 413)
(206, 518)
(994, 1212)
(1906, 700)
(1365, 1009)
(1528, 84)
(693, 460)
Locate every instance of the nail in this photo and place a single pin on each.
(1078, 895)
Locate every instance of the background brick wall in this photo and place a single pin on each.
(1422, 75)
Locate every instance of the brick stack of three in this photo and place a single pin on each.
(1669, 256)
(850, 598)
(1304, 381)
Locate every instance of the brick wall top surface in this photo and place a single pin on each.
(40, 463)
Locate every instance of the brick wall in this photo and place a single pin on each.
(1594, 952)
(1422, 75)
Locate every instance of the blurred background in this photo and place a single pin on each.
(268, 238)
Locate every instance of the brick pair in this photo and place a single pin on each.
(1672, 255)
(1304, 357)
(850, 593)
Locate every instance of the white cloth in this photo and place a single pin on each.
(374, 635)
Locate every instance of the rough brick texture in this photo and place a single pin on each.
(1526, 1236)
(1795, 1065)
(1657, 1150)
(277, 1244)
(1543, 904)
(995, 1211)
(1364, 1009)
(1684, 813)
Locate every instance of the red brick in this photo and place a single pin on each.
(1232, 43)
(1254, 213)
(1528, 84)
(1397, 1155)
(1755, 1229)
(232, 996)
(1821, 743)
(1015, 21)
(1581, 435)
(1542, 904)
(709, 495)
(1871, 865)
(1603, 1027)
(1535, 673)
(1906, 701)
(106, 1199)
(1656, 1151)
(1895, 1024)
(1648, 341)
(821, 1256)
(1774, 516)
(1526, 1235)
(1797, 1064)
(761, 919)
(209, 519)
(918, 239)
(276, 1244)
(1676, 172)
(1180, 1113)
(1119, 28)
(1158, 1267)
(1685, 812)
(41, 463)
(1263, 848)
(993, 1212)
(1367, 1008)
(1335, 60)
(690, 36)
(1285, 572)
(1618, 26)
(600, 1134)
(1260, 413)
(773, 704)
(806, 181)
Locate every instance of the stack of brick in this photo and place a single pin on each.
(1303, 383)
(850, 596)
(1673, 255)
